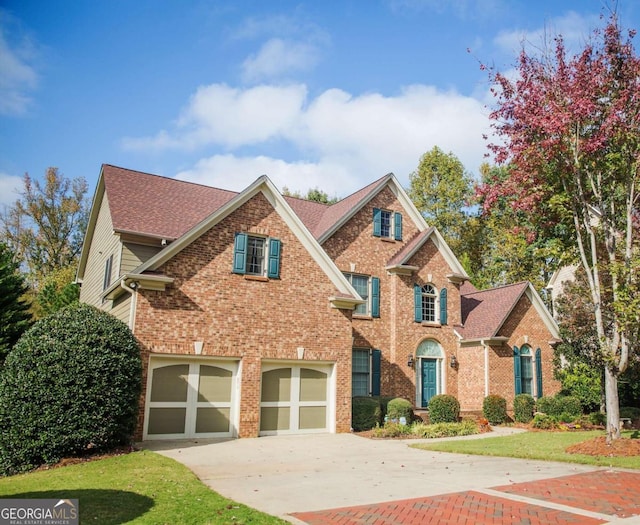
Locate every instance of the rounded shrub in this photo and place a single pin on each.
(494, 409)
(523, 405)
(365, 413)
(70, 385)
(569, 406)
(544, 422)
(547, 405)
(399, 407)
(444, 408)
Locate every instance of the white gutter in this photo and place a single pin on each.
(133, 290)
(486, 366)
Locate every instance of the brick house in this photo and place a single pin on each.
(261, 314)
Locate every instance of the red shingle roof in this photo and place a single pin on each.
(157, 206)
(404, 254)
(484, 313)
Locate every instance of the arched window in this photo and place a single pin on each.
(429, 296)
(526, 370)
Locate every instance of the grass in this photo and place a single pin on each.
(549, 446)
(139, 488)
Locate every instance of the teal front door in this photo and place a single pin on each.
(429, 370)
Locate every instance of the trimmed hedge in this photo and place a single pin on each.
(399, 408)
(560, 406)
(444, 408)
(523, 406)
(366, 413)
(70, 385)
(494, 409)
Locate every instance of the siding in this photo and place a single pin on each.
(104, 244)
(133, 255)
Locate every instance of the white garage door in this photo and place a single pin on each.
(188, 399)
(296, 399)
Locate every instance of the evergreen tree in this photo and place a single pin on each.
(14, 311)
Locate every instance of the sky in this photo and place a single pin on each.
(315, 94)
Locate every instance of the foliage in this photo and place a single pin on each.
(632, 413)
(366, 413)
(391, 429)
(544, 422)
(559, 405)
(141, 488)
(466, 427)
(597, 418)
(56, 291)
(45, 227)
(494, 408)
(544, 446)
(440, 188)
(14, 314)
(568, 127)
(70, 385)
(582, 382)
(313, 194)
(523, 405)
(444, 408)
(399, 408)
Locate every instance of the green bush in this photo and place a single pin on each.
(467, 427)
(365, 413)
(523, 406)
(391, 430)
(443, 408)
(544, 422)
(398, 408)
(494, 409)
(547, 405)
(384, 401)
(559, 405)
(598, 418)
(70, 385)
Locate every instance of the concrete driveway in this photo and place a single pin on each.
(282, 475)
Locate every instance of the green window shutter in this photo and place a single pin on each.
(375, 297)
(417, 303)
(240, 253)
(273, 270)
(539, 372)
(397, 221)
(377, 222)
(516, 370)
(376, 358)
(443, 306)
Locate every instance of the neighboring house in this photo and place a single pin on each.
(262, 314)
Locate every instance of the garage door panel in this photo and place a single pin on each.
(313, 385)
(276, 385)
(313, 418)
(166, 420)
(170, 384)
(210, 420)
(214, 384)
(275, 418)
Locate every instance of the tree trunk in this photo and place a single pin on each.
(613, 404)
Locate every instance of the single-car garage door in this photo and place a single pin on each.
(190, 399)
(296, 399)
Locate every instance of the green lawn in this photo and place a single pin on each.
(548, 446)
(141, 487)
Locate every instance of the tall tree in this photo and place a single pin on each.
(440, 188)
(313, 194)
(14, 310)
(45, 227)
(569, 126)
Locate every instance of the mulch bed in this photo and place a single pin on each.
(599, 447)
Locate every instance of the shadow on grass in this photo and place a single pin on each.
(107, 507)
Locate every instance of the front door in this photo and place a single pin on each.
(429, 369)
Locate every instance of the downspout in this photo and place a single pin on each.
(132, 289)
(483, 342)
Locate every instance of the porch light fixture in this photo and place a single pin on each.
(454, 361)
(410, 361)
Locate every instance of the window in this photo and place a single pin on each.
(525, 371)
(427, 307)
(365, 372)
(387, 224)
(254, 255)
(369, 289)
(108, 265)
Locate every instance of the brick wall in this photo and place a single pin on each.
(251, 320)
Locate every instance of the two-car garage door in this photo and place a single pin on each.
(200, 398)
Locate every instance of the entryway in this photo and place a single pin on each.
(430, 371)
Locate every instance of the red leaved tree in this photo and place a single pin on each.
(570, 130)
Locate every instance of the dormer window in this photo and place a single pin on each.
(387, 224)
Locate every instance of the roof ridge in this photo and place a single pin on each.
(519, 283)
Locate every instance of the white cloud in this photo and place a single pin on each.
(18, 78)
(277, 58)
(337, 142)
(10, 187)
(230, 117)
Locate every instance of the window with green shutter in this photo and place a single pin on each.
(253, 255)
(369, 289)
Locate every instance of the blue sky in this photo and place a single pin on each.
(312, 93)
